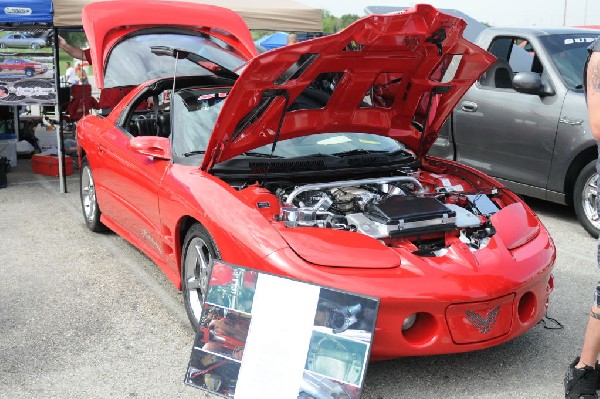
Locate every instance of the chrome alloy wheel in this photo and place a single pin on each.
(88, 194)
(198, 265)
(588, 200)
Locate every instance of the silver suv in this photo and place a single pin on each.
(525, 120)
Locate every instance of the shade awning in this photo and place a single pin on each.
(276, 40)
(25, 11)
(282, 15)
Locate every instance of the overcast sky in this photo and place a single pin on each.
(496, 13)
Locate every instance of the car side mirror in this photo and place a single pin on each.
(530, 83)
(156, 147)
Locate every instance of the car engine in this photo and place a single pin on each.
(390, 207)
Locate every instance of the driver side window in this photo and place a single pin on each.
(515, 55)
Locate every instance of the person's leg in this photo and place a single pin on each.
(582, 377)
(591, 340)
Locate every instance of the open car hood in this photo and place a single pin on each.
(393, 75)
(109, 24)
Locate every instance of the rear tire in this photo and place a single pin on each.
(584, 199)
(198, 255)
(89, 202)
(2, 45)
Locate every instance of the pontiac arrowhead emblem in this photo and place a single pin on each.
(484, 325)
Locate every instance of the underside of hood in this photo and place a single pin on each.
(394, 75)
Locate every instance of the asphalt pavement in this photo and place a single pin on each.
(88, 315)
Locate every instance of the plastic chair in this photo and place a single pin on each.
(81, 103)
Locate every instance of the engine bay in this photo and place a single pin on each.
(420, 207)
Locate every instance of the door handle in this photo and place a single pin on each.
(468, 106)
(101, 149)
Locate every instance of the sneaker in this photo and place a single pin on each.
(581, 383)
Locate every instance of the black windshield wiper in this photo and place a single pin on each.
(358, 152)
(209, 65)
(197, 152)
(260, 155)
(315, 155)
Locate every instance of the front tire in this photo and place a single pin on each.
(197, 259)
(89, 202)
(29, 72)
(585, 197)
(35, 46)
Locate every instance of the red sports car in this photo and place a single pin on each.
(310, 161)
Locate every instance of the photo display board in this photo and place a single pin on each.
(266, 336)
(27, 67)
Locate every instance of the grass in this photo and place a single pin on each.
(43, 50)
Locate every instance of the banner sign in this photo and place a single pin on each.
(27, 67)
(25, 11)
(265, 336)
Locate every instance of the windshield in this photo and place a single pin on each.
(331, 144)
(569, 53)
(195, 113)
(131, 62)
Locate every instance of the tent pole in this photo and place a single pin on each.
(16, 119)
(59, 129)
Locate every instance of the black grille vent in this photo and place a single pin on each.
(366, 161)
(286, 166)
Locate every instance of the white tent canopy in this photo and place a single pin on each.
(276, 15)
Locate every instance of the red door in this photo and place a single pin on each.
(132, 182)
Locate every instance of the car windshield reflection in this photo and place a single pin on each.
(334, 144)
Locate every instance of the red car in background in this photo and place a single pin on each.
(28, 67)
(310, 161)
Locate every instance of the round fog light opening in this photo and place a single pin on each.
(527, 307)
(409, 322)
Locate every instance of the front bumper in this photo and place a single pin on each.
(504, 293)
(446, 327)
